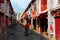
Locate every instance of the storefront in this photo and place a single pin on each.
(33, 19)
(56, 15)
(7, 21)
(0, 23)
(34, 23)
(43, 22)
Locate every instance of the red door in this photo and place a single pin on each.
(57, 24)
(7, 20)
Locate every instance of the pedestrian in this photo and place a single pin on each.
(26, 29)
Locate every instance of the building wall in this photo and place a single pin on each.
(52, 4)
(55, 3)
(38, 6)
(5, 15)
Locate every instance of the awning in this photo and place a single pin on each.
(55, 8)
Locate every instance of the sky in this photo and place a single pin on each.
(19, 5)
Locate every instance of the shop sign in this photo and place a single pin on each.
(43, 5)
(33, 14)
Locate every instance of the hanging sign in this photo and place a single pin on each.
(33, 14)
(43, 5)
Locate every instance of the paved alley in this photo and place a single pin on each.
(19, 35)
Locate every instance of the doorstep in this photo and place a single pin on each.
(49, 37)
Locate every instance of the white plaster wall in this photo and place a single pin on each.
(54, 26)
(3, 6)
(7, 10)
(51, 19)
(39, 6)
(28, 11)
(55, 3)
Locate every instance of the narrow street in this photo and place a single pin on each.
(41, 19)
(19, 35)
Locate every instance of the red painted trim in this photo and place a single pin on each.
(7, 21)
(0, 21)
(40, 29)
(0, 5)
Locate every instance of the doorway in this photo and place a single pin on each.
(43, 22)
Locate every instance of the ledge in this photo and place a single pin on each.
(57, 17)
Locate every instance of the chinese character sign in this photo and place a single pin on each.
(43, 5)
